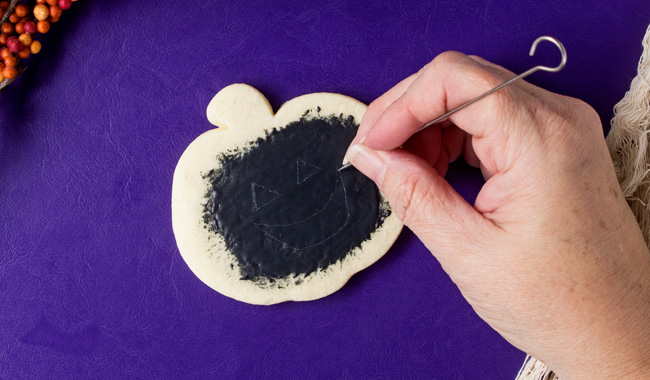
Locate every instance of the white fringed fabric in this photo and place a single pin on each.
(629, 146)
(629, 140)
(533, 369)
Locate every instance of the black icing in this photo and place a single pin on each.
(284, 208)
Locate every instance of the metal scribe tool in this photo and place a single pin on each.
(502, 85)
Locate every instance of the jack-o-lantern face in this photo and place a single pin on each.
(284, 208)
(307, 226)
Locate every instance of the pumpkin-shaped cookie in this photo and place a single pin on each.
(261, 212)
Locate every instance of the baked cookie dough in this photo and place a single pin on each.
(261, 212)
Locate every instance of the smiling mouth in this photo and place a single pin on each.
(317, 228)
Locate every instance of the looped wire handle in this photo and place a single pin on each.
(506, 83)
(559, 46)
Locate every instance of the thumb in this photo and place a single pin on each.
(423, 200)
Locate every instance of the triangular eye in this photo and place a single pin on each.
(262, 195)
(304, 171)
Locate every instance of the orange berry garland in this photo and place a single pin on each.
(9, 72)
(7, 28)
(20, 24)
(25, 39)
(35, 47)
(41, 12)
(24, 53)
(21, 10)
(55, 11)
(11, 61)
(43, 27)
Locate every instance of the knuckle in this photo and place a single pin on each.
(489, 77)
(375, 107)
(568, 115)
(449, 58)
(405, 195)
(411, 195)
(415, 105)
(483, 74)
(585, 111)
(568, 129)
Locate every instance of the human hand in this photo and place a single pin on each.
(550, 255)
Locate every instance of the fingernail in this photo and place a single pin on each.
(346, 160)
(367, 161)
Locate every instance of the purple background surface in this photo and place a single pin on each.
(91, 282)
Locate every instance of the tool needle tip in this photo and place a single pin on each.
(345, 166)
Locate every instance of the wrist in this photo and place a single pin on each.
(621, 370)
(613, 339)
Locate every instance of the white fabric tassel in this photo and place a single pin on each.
(628, 143)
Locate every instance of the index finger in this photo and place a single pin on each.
(450, 80)
(379, 105)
